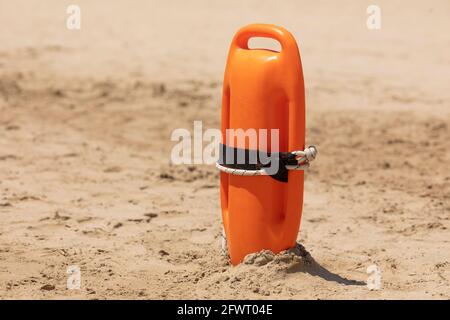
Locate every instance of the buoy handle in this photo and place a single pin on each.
(280, 34)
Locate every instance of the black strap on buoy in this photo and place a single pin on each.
(253, 161)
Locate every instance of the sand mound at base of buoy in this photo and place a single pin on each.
(295, 254)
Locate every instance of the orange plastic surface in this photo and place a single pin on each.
(263, 89)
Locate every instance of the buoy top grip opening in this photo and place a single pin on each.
(284, 37)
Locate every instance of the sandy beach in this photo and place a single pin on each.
(86, 177)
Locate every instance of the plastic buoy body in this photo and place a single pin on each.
(263, 89)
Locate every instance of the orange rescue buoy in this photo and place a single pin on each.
(262, 89)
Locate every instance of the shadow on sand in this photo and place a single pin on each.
(312, 267)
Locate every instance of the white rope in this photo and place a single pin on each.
(303, 159)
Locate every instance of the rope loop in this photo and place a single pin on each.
(303, 157)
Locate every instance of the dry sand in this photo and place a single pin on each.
(85, 173)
